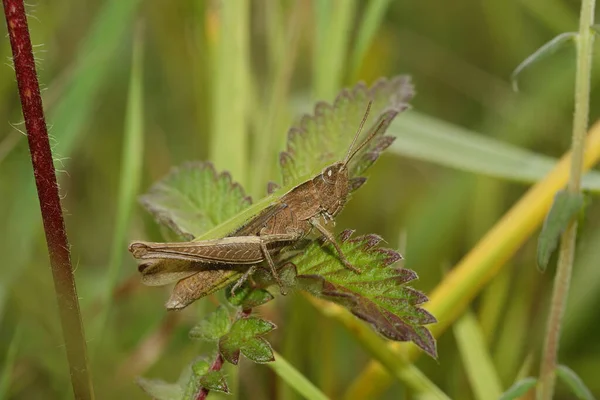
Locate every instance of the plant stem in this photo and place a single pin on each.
(218, 362)
(216, 366)
(47, 189)
(585, 40)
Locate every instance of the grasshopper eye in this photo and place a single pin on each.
(329, 175)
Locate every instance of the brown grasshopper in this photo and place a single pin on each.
(283, 223)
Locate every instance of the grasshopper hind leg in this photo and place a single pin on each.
(331, 239)
(243, 279)
(272, 267)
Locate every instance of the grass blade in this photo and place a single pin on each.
(574, 382)
(564, 208)
(95, 59)
(427, 139)
(368, 28)
(9, 362)
(229, 141)
(334, 24)
(476, 358)
(519, 389)
(295, 379)
(131, 165)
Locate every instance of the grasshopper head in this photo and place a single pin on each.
(332, 188)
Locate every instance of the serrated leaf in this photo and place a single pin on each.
(564, 208)
(211, 380)
(215, 381)
(378, 295)
(160, 390)
(193, 198)
(247, 297)
(519, 388)
(243, 337)
(574, 382)
(258, 350)
(547, 49)
(324, 137)
(213, 326)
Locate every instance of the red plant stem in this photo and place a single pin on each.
(218, 362)
(47, 189)
(216, 366)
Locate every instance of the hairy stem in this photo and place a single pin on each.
(47, 189)
(585, 40)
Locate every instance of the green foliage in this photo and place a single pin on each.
(565, 207)
(574, 382)
(208, 379)
(193, 199)
(247, 297)
(519, 389)
(323, 138)
(213, 326)
(194, 377)
(543, 52)
(378, 295)
(423, 138)
(245, 336)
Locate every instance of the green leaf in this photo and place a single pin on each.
(596, 28)
(519, 388)
(193, 199)
(323, 138)
(160, 390)
(247, 297)
(211, 380)
(476, 358)
(130, 176)
(213, 326)
(214, 381)
(245, 337)
(378, 295)
(565, 207)
(547, 49)
(574, 382)
(425, 138)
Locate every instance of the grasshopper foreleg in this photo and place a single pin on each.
(331, 239)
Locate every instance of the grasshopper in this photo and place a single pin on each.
(307, 207)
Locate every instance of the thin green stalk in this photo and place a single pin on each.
(399, 367)
(271, 136)
(131, 166)
(295, 379)
(334, 24)
(476, 358)
(371, 21)
(585, 41)
(229, 139)
(9, 363)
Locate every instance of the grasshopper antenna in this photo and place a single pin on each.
(352, 153)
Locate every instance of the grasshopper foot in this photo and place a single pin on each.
(350, 266)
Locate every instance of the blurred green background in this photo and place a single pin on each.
(224, 83)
